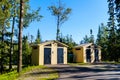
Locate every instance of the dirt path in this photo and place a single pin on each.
(39, 74)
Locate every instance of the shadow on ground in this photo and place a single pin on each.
(108, 72)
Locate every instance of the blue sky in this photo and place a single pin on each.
(86, 15)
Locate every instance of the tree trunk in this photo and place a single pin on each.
(11, 46)
(20, 37)
(58, 24)
(1, 60)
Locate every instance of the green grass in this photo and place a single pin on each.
(51, 76)
(14, 75)
(111, 62)
(107, 62)
(79, 64)
(29, 68)
(9, 76)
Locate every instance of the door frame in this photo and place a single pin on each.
(60, 61)
(48, 54)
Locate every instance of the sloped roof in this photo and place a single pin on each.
(87, 44)
(49, 42)
(84, 45)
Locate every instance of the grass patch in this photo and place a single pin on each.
(14, 75)
(51, 76)
(79, 64)
(9, 76)
(110, 62)
(29, 68)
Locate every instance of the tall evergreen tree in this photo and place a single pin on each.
(26, 51)
(38, 39)
(99, 36)
(20, 36)
(28, 17)
(117, 9)
(91, 36)
(112, 31)
(9, 11)
(102, 40)
(13, 16)
(61, 13)
(4, 24)
(86, 39)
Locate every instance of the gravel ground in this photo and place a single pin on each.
(87, 72)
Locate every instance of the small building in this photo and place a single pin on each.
(87, 53)
(49, 52)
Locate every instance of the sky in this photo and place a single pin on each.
(86, 15)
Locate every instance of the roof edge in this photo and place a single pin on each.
(50, 41)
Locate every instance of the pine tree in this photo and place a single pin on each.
(26, 51)
(28, 17)
(61, 13)
(20, 36)
(117, 9)
(91, 36)
(38, 39)
(112, 31)
(4, 24)
(13, 16)
(86, 39)
(102, 40)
